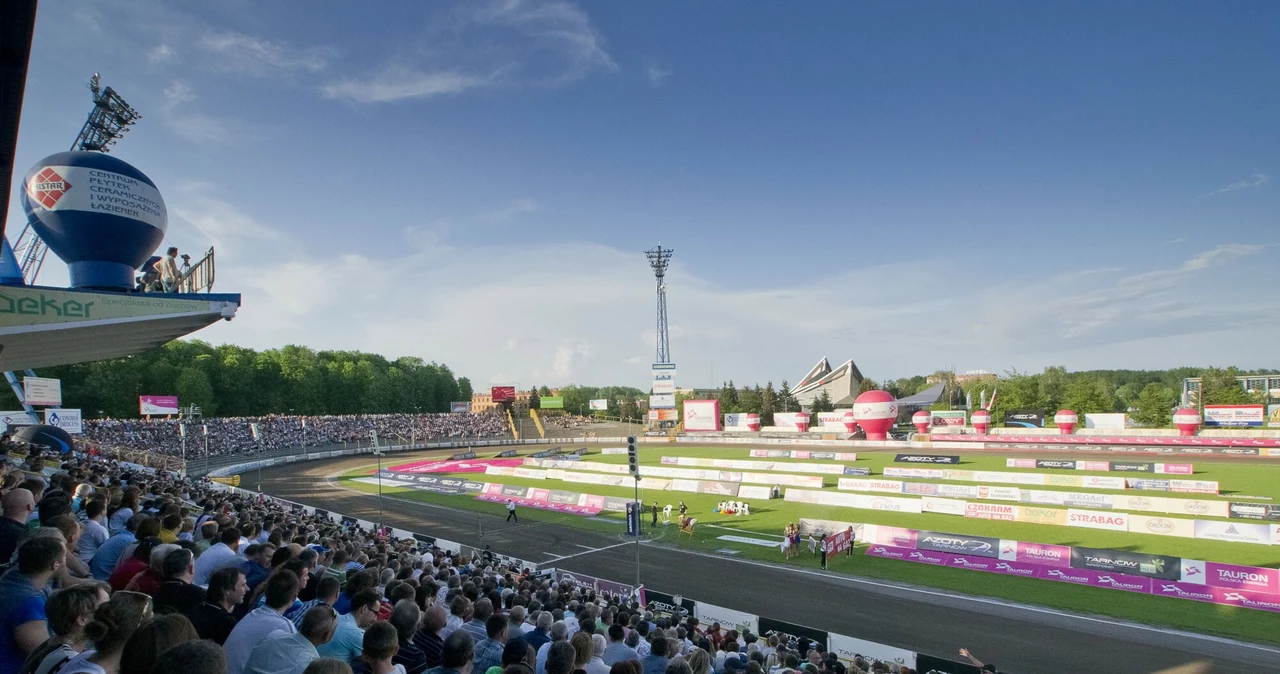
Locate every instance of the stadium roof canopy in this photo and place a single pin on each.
(841, 384)
(924, 398)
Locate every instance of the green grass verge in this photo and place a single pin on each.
(769, 517)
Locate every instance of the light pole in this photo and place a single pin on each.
(182, 431)
(377, 451)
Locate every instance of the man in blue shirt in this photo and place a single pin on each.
(348, 641)
(23, 627)
(656, 661)
(106, 558)
(489, 650)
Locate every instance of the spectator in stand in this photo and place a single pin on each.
(428, 639)
(560, 657)
(582, 652)
(215, 618)
(153, 638)
(405, 617)
(378, 650)
(326, 595)
(457, 656)
(477, 626)
(23, 623)
(348, 641)
(283, 653)
(257, 563)
(983, 667)
(177, 594)
(108, 555)
(191, 657)
(617, 650)
(128, 508)
(148, 580)
(18, 504)
(656, 662)
(260, 623)
(68, 611)
(597, 664)
(208, 536)
(488, 651)
(95, 533)
(515, 623)
(559, 633)
(213, 558)
(327, 666)
(541, 633)
(112, 625)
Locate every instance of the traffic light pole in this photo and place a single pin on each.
(633, 461)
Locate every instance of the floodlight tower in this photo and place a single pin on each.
(659, 258)
(109, 119)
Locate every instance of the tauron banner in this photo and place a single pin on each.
(926, 458)
(1052, 463)
(1024, 418)
(1131, 563)
(790, 634)
(973, 546)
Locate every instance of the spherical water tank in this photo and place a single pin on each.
(102, 216)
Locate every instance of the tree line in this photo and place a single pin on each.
(233, 380)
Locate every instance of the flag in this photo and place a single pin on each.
(968, 400)
(182, 430)
(304, 422)
(253, 428)
(993, 398)
(982, 401)
(204, 429)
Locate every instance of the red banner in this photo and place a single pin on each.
(502, 394)
(837, 543)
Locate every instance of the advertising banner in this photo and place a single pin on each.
(920, 473)
(1113, 420)
(1235, 532)
(882, 486)
(790, 634)
(948, 418)
(1234, 415)
(738, 422)
(599, 404)
(1131, 563)
(459, 407)
(68, 420)
(1035, 553)
(1024, 419)
(787, 421)
(1194, 486)
(1020, 463)
(1096, 466)
(729, 619)
(551, 402)
(1038, 515)
(663, 387)
(885, 535)
(838, 542)
(1273, 416)
(991, 511)
(1098, 482)
(957, 491)
(942, 506)
(1252, 578)
(662, 401)
(1254, 511)
(42, 391)
(17, 418)
(847, 648)
(502, 394)
(1175, 469)
(666, 605)
(1097, 520)
(702, 415)
(1253, 600)
(926, 458)
(975, 546)
(1123, 467)
(1052, 463)
(663, 415)
(663, 370)
(1162, 526)
(157, 405)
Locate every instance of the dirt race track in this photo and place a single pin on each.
(1019, 639)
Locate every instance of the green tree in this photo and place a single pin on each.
(193, 388)
(786, 402)
(751, 400)
(1220, 387)
(535, 402)
(1153, 407)
(866, 385)
(768, 404)
(627, 407)
(1088, 396)
(822, 402)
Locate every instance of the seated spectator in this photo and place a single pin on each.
(260, 623)
(68, 610)
(153, 638)
(656, 662)
(169, 526)
(114, 622)
(560, 658)
(327, 666)
(378, 648)
(94, 533)
(597, 664)
(488, 651)
(559, 632)
(428, 639)
(176, 593)
(257, 563)
(215, 618)
(515, 623)
(582, 652)
(405, 617)
(283, 653)
(458, 608)
(191, 657)
(19, 505)
(136, 563)
(149, 579)
(518, 657)
(347, 642)
(213, 558)
(326, 595)
(458, 655)
(477, 626)
(541, 633)
(23, 623)
(617, 650)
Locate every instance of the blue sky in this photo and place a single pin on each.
(990, 185)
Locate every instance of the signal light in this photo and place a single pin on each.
(633, 457)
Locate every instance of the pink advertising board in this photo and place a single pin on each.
(157, 405)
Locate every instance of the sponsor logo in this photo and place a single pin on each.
(926, 458)
(1159, 525)
(1066, 576)
(1089, 518)
(47, 188)
(884, 504)
(956, 544)
(1139, 503)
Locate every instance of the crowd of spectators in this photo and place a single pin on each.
(234, 435)
(116, 570)
(569, 421)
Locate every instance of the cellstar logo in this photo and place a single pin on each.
(47, 187)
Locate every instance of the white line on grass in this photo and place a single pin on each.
(587, 552)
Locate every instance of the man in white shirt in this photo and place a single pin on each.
(283, 653)
(262, 622)
(94, 530)
(217, 555)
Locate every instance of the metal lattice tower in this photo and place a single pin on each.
(659, 258)
(109, 119)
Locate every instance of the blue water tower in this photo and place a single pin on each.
(100, 215)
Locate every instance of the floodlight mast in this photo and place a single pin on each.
(108, 121)
(659, 258)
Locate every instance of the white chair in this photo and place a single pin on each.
(746, 509)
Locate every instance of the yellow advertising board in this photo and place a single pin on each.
(1063, 480)
(1038, 515)
(40, 306)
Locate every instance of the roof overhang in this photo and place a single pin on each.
(42, 327)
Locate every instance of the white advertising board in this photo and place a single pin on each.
(846, 648)
(1094, 519)
(737, 422)
(17, 418)
(600, 404)
(1233, 531)
(701, 415)
(662, 401)
(1234, 415)
(786, 421)
(728, 618)
(1162, 526)
(42, 391)
(664, 386)
(746, 492)
(1112, 420)
(68, 420)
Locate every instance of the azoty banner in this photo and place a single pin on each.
(66, 419)
(975, 546)
(1024, 419)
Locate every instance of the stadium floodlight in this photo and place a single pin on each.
(659, 258)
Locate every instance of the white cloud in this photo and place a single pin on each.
(219, 222)
(161, 54)
(1255, 180)
(656, 74)
(398, 83)
(515, 208)
(191, 125)
(259, 57)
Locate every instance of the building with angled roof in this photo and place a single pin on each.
(841, 384)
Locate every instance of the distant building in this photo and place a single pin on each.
(483, 402)
(962, 379)
(841, 384)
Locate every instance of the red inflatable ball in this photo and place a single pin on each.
(876, 412)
